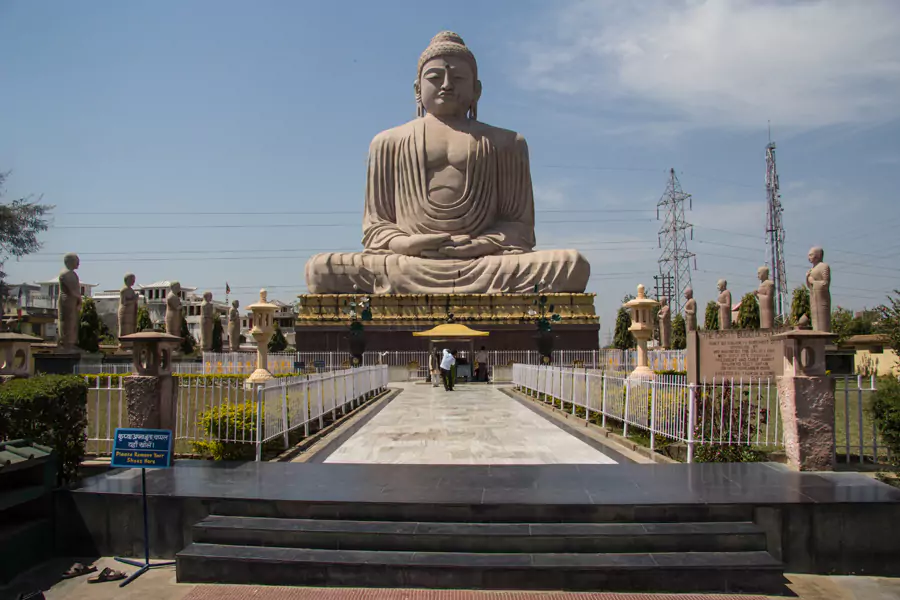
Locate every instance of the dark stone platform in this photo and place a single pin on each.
(814, 523)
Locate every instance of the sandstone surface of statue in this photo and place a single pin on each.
(818, 280)
(234, 327)
(449, 205)
(68, 303)
(766, 297)
(665, 323)
(690, 310)
(724, 302)
(173, 309)
(207, 317)
(128, 307)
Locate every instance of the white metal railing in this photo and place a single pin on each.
(225, 409)
(722, 411)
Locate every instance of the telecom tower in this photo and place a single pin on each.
(775, 235)
(674, 262)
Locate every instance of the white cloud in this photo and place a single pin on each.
(727, 63)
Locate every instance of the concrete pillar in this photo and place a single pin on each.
(152, 394)
(806, 399)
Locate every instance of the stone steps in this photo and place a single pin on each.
(626, 556)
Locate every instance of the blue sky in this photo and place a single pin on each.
(218, 116)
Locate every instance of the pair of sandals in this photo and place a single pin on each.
(107, 574)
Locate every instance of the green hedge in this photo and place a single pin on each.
(114, 379)
(886, 412)
(51, 410)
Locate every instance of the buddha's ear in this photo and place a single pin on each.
(477, 90)
(420, 110)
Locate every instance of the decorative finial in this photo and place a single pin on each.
(262, 295)
(642, 292)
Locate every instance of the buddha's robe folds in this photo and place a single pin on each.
(497, 205)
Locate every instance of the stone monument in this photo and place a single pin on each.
(818, 280)
(207, 317)
(234, 327)
(128, 308)
(665, 323)
(724, 302)
(173, 309)
(690, 310)
(766, 297)
(449, 206)
(68, 304)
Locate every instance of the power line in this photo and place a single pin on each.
(307, 212)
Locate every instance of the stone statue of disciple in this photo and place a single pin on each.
(765, 295)
(818, 280)
(724, 302)
(207, 317)
(68, 303)
(449, 205)
(665, 323)
(234, 327)
(128, 307)
(173, 309)
(690, 310)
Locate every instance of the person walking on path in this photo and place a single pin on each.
(447, 362)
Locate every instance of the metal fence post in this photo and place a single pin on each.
(625, 413)
(652, 415)
(284, 416)
(692, 421)
(603, 402)
(587, 398)
(574, 373)
(257, 393)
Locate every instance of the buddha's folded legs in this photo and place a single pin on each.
(337, 273)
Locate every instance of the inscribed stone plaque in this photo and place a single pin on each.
(737, 353)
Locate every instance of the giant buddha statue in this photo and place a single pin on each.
(449, 204)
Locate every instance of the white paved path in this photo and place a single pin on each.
(473, 424)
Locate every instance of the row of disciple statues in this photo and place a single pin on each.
(818, 281)
(69, 309)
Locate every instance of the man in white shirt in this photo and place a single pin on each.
(447, 362)
(481, 365)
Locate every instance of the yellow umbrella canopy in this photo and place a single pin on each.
(451, 330)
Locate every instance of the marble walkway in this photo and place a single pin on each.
(472, 425)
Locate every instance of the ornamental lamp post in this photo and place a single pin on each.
(641, 309)
(263, 328)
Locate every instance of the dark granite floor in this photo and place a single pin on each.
(627, 484)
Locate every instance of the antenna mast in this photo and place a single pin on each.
(674, 261)
(775, 234)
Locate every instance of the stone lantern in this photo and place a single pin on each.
(641, 309)
(806, 399)
(15, 354)
(151, 393)
(263, 328)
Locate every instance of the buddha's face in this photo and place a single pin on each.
(448, 86)
(129, 280)
(762, 273)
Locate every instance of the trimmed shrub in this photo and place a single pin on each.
(228, 422)
(50, 410)
(885, 410)
(728, 419)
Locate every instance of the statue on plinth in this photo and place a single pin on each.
(68, 304)
(449, 205)
(690, 310)
(665, 323)
(818, 280)
(173, 309)
(234, 327)
(724, 302)
(128, 308)
(207, 315)
(765, 295)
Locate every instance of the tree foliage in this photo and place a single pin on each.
(144, 323)
(711, 320)
(800, 305)
(278, 342)
(90, 327)
(188, 343)
(845, 324)
(889, 324)
(679, 333)
(217, 334)
(20, 223)
(622, 338)
(748, 314)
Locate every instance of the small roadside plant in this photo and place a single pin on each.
(224, 424)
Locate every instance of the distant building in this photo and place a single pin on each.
(23, 312)
(155, 296)
(107, 303)
(874, 356)
(285, 317)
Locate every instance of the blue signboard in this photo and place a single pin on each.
(142, 448)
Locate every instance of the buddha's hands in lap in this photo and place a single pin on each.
(469, 249)
(419, 244)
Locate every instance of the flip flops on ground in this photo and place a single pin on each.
(107, 574)
(77, 570)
